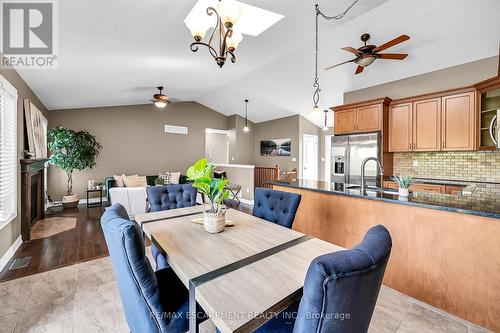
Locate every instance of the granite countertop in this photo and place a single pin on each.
(484, 201)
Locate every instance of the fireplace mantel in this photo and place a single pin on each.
(32, 193)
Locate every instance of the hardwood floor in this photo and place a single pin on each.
(84, 242)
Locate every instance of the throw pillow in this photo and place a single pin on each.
(132, 181)
(167, 178)
(175, 177)
(119, 181)
(143, 182)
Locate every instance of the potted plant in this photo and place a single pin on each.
(404, 183)
(214, 210)
(71, 151)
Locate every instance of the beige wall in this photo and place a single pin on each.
(243, 176)
(10, 232)
(282, 128)
(241, 143)
(445, 79)
(134, 141)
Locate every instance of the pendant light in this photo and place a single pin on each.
(325, 128)
(316, 111)
(246, 128)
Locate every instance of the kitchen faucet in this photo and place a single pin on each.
(363, 183)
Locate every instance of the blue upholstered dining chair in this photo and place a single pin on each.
(153, 301)
(169, 197)
(276, 206)
(340, 290)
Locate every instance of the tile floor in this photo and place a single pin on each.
(84, 298)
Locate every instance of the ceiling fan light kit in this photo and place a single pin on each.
(160, 100)
(367, 54)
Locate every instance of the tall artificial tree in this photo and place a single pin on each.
(71, 150)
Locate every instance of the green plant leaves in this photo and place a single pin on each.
(213, 188)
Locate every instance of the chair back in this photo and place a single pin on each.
(171, 196)
(137, 282)
(341, 288)
(276, 206)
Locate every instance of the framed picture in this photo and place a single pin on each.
(276, 147)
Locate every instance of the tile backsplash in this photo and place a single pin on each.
(469, 166)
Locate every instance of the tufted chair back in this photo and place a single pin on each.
(276, 206)
(171, 196)
(136, 280)
(341, 288)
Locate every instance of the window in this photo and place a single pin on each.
(8, 152)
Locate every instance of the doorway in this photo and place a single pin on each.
(310, 157)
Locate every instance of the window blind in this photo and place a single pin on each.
(8, 152)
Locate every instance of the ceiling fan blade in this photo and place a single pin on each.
(392, 56)
(359, 69)
(351, 49)
(342, 63)
(391, 43)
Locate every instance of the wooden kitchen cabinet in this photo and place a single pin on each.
(435, 122)
(345, 121)
(369, 118)
(458, 122)
(360, 117)
(400, 127)
(427, 125)
(432, 188)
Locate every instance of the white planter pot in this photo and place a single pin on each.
(70, 201)
(214, 222)
(403, 192)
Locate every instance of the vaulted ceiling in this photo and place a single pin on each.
(116, 52)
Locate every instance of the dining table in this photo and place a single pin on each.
(241, 277)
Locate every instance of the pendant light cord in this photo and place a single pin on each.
(246, 112)
(328, 18)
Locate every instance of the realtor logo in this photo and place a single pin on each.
(28, 34)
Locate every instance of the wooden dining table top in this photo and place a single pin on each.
(252, 268)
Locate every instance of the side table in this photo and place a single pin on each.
(94, 204)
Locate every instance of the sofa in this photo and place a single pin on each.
(134, 199)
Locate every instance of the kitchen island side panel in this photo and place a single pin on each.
(447, 259)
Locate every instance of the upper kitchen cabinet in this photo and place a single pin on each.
(488, 101)
(435, 122)
(427, 124)
(360, 117)
(458, 122)
(345, 121)
(400, 127)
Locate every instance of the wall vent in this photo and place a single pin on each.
(176, 129)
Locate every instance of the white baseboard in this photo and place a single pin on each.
(246, 201)
(10, 253)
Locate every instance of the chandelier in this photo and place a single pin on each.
(224, 38)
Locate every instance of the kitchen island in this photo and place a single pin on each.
(445, 248)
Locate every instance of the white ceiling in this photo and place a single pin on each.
(115, 52)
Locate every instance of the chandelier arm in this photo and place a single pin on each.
(232, 56)
(210, 12)
(211, 50)
(229, 33)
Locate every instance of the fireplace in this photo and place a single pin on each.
(32, 194)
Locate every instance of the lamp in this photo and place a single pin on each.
(246, 128)
(160, 104)
(325, 128)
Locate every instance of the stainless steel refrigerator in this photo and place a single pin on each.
(349, 151)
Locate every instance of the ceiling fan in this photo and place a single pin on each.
(160, 100)
(367, 54)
